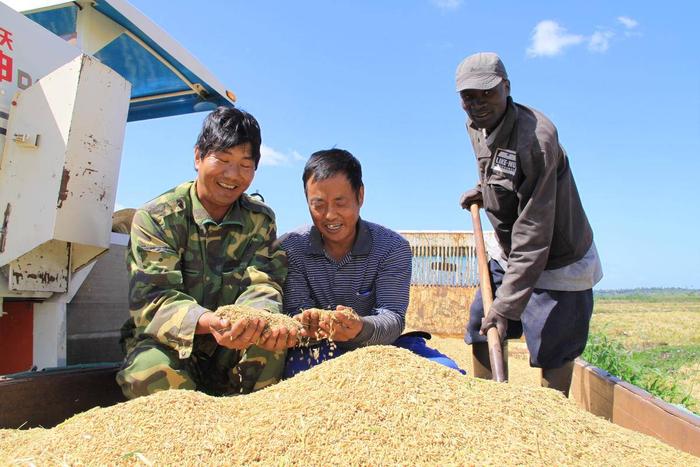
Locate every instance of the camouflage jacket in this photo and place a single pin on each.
(182, 263)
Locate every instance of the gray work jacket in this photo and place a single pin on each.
(531, 199)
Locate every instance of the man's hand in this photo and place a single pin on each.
(278, 339)
(341, 327)
(309, 319)
(239, 335)
(470, 197)
(493, 319)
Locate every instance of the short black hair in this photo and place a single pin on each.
(226, 127)
(325, 164)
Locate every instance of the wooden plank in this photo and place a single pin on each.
(602, 394)
(47, 398)
(640, 411)
(593, 389)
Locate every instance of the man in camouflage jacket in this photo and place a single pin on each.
(199, 246)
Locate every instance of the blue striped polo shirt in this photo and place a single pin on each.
(373, 278)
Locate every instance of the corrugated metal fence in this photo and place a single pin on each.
(443, 258)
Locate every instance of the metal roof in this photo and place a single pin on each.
(166, 79)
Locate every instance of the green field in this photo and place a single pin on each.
(650, 338)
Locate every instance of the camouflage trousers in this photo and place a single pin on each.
(151, 366)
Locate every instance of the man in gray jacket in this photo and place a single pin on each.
(544, 274)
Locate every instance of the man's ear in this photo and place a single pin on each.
(506, 84)
(197, 159)
(361, 195)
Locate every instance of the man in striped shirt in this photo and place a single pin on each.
(343, 261)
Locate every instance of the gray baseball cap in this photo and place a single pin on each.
(482, 70)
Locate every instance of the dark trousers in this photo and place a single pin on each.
(555, 323)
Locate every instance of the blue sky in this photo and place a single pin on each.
(621, 80)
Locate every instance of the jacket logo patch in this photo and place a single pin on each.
(505, 162)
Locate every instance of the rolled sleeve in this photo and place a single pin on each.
(157, 301)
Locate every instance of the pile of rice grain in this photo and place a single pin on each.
(373, 406)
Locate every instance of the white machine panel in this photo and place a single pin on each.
(42, 269)
(63, 187)
(27, 53)
(93, 153)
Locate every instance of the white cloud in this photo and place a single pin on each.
(447, 5)
(628, 22)
(118, 206)
(630, 25)
(549, 39)
(600, 41)
(272, 157)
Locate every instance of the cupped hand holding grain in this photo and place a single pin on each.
(279, 330)
(310, 319)
(341, 326)
(238, 335)
(279, 338)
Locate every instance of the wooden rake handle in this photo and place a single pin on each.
(494, 341)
